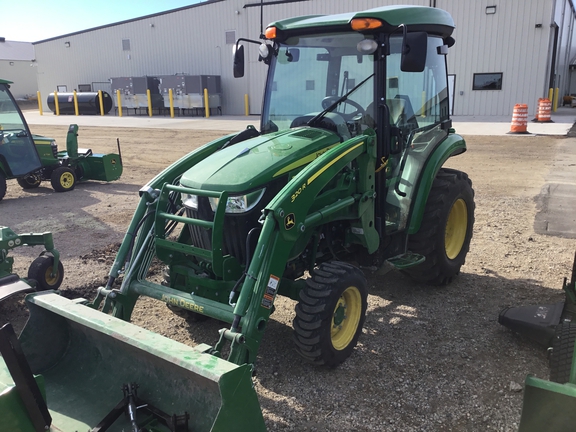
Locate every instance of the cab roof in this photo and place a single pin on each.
(416, 18)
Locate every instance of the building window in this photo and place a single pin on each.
(487, 81)
(125, 44)
(231, 37)
(309, 84)
(84, 88)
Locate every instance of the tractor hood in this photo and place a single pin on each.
(257, 161)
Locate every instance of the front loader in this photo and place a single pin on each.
(346, 172)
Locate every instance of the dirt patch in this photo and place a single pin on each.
(428, 358)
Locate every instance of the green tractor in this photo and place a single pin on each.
(18, 155)
(346, 172)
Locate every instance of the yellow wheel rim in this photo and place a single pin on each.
(346, 318)
(48, 278)
(456, 227)
(66, 180)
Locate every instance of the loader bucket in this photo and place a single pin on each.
(86, 358)
(548, 406)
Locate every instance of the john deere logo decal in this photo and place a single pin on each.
(289, 221)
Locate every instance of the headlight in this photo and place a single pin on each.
(239, 203)
(54, 147)
(190, 201)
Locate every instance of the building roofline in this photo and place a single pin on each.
(202, 3)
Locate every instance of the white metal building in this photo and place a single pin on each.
(506, 51)
(18, 64)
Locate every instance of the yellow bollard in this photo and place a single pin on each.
(246, 106)
(75, 103)
(39, 102)
(206, 103)
(550, 94)
(171, 99)
(149, 102)
(556, 92)
(119, 103)
(56, 105)
(101, 102)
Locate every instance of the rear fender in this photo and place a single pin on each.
(453, 145)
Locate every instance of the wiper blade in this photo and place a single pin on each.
(338, 101)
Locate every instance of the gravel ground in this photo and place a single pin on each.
(429, 359)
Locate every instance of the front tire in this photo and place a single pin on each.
(446, 229)
(330, 314)
(63, 179)
(41, 271)
(29, 182)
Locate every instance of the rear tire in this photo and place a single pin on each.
(29, 182)
(446, 229)
(41, 271)
(330, 314)
(63, 179)
(2, 185)
(562, 352)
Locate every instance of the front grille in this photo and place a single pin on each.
(236, 228)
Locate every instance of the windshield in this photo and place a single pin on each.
(310, 73)
(17, 152)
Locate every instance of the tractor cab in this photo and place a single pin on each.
(365, 73)
(18, 155)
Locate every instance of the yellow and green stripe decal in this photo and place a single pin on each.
(332, 162)
(305, 160)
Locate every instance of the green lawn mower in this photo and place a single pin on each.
(65, 168)
(31, 159)
(346, 172)
(45, 273)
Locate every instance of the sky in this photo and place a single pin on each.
(34, 20)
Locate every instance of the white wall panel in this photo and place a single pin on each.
(193, 41)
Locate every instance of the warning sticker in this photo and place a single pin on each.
(270, 293)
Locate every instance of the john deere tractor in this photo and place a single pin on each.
(345, 172)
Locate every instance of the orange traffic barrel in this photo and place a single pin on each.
(544, 110)
(519, 119)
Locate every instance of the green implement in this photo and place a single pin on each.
(549, 405)
(83, 358)
(45, 273)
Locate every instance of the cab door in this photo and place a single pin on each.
(18, 155)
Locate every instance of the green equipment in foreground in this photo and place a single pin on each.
(345, 172)
(45, 273)
(549, 405)
(65, 168)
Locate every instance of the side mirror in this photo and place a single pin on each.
(239, 62)
(414, 48)
(293, 55)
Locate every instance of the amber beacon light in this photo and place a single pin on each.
(270, 33)
(362, 24)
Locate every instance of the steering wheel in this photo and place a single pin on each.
(329, 100)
